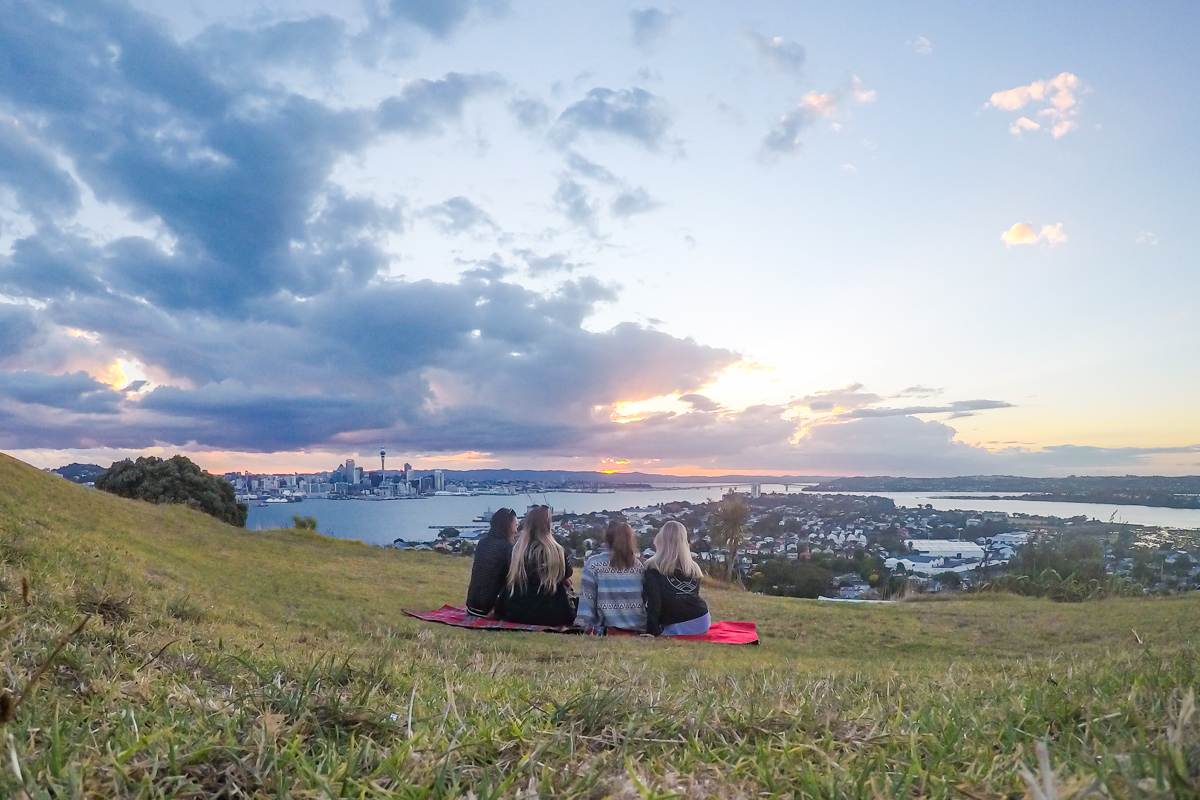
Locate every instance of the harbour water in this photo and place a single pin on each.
(1134, 515)
(382, 521)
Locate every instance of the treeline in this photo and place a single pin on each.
(1068, 568)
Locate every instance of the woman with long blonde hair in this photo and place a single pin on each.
(611, 594)
(671, 586)
(535, 591)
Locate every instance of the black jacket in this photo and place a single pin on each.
(489, 571)
(670, 599)
(532, 607)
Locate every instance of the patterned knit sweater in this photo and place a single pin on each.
(609, 597)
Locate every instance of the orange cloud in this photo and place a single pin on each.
(1024, 233)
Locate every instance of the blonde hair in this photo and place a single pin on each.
(535, 540)
(672, 554)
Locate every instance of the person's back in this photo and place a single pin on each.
(610, 595)
(489, 569)
(536, 589)
(671, 587)
(672, 600)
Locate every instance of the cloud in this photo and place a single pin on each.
(1148, 238)
(921, 45)
(41, 187)
(529, 112)
(1055, 101)
(423, 106)
(458, 215)
(633, 114)
(699, 402)
(438, 18)
(957, 407)
(539, 265)
(572, 201)
(1024, 233)
(783, 54)
(649, 25)
(75, 392)
(18, 328)
(785, 136)
(632, 201)
(590, 169)
(847, 397)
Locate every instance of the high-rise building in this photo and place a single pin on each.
(408, 473)
(439, 481)
(348, 471)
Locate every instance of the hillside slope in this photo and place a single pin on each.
(279, 664)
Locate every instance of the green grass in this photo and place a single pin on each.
(278, 664)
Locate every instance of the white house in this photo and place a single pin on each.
(946, 548)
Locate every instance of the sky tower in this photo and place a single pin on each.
(382, 455)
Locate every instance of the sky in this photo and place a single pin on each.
(699, 238)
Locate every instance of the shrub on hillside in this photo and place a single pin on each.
(174, 480)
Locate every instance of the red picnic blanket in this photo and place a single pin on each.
(722, 632)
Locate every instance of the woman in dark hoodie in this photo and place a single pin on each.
(536, 590)
(489, 569)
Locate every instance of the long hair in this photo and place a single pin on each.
(500, 523)
(672, 554)
(622, 547)
(536, 542)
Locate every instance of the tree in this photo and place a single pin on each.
(792, 579)
(304, 523)
(950, 580)
(174, 480)
(729, 528)
(448, 533)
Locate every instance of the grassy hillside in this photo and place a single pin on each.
(278, 664)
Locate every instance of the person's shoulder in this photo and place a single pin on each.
(596, 560)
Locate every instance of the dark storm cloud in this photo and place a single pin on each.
(633, 114)
(649, 25)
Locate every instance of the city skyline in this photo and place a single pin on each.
(681, 239)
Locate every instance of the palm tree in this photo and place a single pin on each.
(729, 526)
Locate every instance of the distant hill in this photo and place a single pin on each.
(607, 478)
(224, 662)
(80, 473)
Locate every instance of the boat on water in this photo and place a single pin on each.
(275, 500)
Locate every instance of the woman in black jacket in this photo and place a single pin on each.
(489, 569)
(536, 590)
(671, 586)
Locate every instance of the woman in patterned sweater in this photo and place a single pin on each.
(611, 594)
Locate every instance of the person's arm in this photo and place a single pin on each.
(586, 617)
(653, 596)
